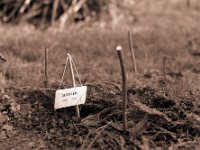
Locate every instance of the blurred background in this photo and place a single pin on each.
(61, 12)
(90, 30)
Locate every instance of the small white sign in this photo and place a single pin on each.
(70, 97)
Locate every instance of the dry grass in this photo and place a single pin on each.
(163, 29)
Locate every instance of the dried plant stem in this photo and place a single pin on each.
(164, 68)
(73, 82)
(61, 80)
(46, 68)
(123, 71)
(132, 52)
(87, 137)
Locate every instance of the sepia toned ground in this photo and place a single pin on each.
(161, 114)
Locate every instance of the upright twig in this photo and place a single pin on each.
(73, 82)
(164, 68)
(61, 80)
(124, 87)
(46, 67)
(132, 52)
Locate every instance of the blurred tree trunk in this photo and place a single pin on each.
(188, 3)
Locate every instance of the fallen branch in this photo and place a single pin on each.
(148, 111)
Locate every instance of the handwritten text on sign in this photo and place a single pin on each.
(70, 97)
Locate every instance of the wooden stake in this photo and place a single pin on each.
(46, 68)
(164, 69)
(132, 52)
(73, 82)
(123, 71)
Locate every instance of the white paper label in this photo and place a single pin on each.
(70, 97)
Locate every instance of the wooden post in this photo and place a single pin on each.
(123, 71)
(73, 82)
(132, 52)
(46, 67)
(164, 69)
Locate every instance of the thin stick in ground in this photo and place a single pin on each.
(124, 87)
(74, 84)
(132, 52)
(46, 67)
(164, 68)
